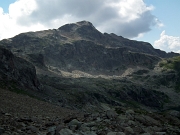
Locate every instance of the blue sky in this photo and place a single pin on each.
(154, 21)
(5, 4)
(167, 11)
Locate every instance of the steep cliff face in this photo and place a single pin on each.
(89, 57)
(17, 70)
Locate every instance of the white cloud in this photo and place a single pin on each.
(168, 43)
(129, 18)
(22, 8)
(9, 25)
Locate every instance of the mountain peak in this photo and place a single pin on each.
(74, 26)
(81, 23)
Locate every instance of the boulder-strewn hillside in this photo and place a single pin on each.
(80, 68)
(22, 115)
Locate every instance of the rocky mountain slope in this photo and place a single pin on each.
(81, 47)
(77, 67)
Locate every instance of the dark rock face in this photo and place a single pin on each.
(89, 57)
(37, 60)
(17, 69)
(81, 92)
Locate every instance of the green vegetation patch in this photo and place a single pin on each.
(173, 64)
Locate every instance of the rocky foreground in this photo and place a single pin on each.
(21, 115)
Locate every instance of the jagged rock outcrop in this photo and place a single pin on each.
(17, 70)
